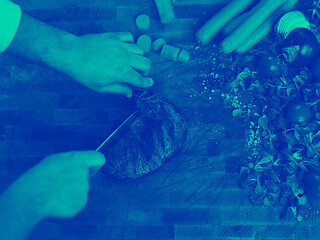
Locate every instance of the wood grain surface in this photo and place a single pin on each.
(193, 196)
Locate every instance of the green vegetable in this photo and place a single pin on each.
(298, 113)
(268, 66)
(311, 182)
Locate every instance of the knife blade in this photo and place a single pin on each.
(117, 129)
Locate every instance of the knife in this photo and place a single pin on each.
(117, 129)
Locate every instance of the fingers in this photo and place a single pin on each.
(140, 63)
(133, 48)
(137, 61)
(94, 160)
(134, 78)
(121, 36)
(117, 88)
(125, 36)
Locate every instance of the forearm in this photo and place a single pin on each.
(40, 42)
(19, 212)
(107, 62)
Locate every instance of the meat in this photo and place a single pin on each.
(147, 141)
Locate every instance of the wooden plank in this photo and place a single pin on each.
(7, 177)
(206, 197)
(244, 232)
(45, 101)
(94, 214)
(200, 2)
(283, 232)
(181, 11)
(34, 4)
(13, 167)
(67, 133)
(82, 232)
(214, 232)
(183, 25)
(73, 14)
(155, 232)
(43, 148)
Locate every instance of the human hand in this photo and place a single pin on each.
(60, 182)
(107, 62)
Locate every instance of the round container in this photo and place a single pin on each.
(289, 22)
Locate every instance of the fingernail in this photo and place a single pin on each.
(150, 82)
(129, 95)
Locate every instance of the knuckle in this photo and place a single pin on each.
(126, 71)
(147, 63)
(99, 90)
(129, 34)
(74, 155)
(65, 155)
(138, 80)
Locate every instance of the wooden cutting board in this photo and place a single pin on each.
(194, 196)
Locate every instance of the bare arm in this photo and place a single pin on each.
(56, 187)
(20, 212)
(107, 62)
(40, 42)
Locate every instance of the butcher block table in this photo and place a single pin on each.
(193, 196)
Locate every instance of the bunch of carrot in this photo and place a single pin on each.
(245, 29)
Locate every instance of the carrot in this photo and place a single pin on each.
(158, 44)
(266, 27)
(211, 28)
(170, 52)
(165, 10)
(143, 22)
(231, 26)
(256, 37)
(246, 29)
(236, 22)
(144, 42)
(184, 56)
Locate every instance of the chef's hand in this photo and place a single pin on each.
(108, 62)
(56, 187)
(62, 181)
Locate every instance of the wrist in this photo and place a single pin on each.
(58, 55)
(21, 210)
(28, 203)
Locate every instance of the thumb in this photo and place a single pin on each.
(94, 160)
